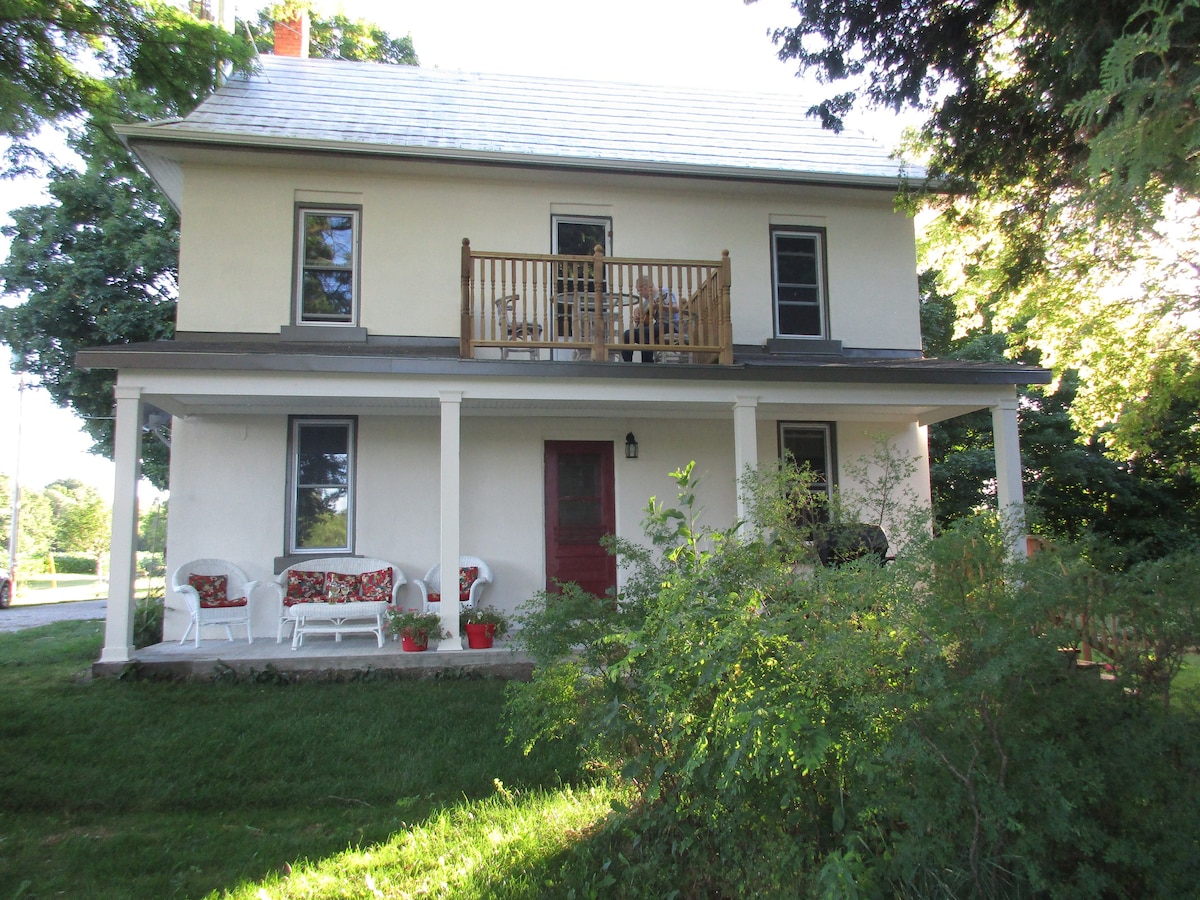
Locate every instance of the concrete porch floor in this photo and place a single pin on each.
(320, 654)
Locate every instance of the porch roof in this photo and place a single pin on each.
(200, 378)
(335, 106)
(439, 357)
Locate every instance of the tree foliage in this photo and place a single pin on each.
(61, 59)
(336, 36)
(98, 264)
(1044, 94)
(1063, 139)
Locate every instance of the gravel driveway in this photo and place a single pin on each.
(18, 617)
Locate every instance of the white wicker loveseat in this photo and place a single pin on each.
(336, 595)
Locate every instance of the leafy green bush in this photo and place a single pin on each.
(70, 564)
(148, 619)
(910, 730)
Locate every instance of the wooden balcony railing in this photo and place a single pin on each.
(589, 307)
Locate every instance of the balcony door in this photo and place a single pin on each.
(580, 509)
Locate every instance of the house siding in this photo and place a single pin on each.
(245, 457)
(414, 217)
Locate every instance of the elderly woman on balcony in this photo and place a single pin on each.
(646, 315)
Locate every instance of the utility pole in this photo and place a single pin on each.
(16, 496)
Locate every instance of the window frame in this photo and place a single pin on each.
(303, 211)
(829, 432)
(820, 236)
(557, 219)
(295, 424)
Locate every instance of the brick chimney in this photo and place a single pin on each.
(291, 36)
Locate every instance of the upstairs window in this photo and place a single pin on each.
(798, 275)
(327, 266)
(321, 481)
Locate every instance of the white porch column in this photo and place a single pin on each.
(451, 515)
(127, 447)
(745, 446)
(1010, 494)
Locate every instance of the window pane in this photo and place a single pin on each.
(580, 238)
(328, 295)
(800, 320)
(808, 447)
(321, 488)
(799, 288)
(322, 519)
(327, 274)
(328, 239)
(323, 455)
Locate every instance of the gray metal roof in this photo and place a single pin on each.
(350, 107)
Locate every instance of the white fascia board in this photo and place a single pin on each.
(137, 135)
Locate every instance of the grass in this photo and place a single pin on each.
(252, 790)
(370, 789)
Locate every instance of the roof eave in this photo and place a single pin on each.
(139, 137)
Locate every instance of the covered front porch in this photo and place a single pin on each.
(432, 426)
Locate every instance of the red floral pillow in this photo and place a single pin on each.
(304, 587)
(341, 588)
(213, 591)
(376, 585)
(467, 576)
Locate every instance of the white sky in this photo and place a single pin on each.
(719, 44)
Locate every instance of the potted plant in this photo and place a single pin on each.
(414, 628)
(482, 626)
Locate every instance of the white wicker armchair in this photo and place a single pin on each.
(211, 602)
(431, 584)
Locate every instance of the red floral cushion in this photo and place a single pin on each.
(435, 597)
(467, 576)
(304, 587)
(214, 591)
(341, 588)
(376, 585)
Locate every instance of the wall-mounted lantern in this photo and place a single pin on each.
(631, 446)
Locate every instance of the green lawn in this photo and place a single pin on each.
(363, 789)
(112, 789)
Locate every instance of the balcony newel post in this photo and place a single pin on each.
(599, 338)
(466, 349)
(726, 357)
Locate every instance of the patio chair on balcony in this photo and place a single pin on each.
(473, 574)
(513, 328)
(216, 593)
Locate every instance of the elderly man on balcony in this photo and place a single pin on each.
(653, 307)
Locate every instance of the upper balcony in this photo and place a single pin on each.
(596, 307)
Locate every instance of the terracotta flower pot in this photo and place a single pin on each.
(480, 635)
(414, 644)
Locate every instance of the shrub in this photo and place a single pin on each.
(70, 564)
(910, 730)
(148, 621)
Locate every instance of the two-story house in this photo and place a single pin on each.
(407, 299)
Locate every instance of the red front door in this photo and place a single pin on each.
(580, 509)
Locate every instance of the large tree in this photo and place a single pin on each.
(1063, 141)
(59, 58)
(98, 264)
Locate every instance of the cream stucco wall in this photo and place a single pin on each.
(236, 260)
(228, 487)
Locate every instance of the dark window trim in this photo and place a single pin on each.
(297, 314)
(821, 234)
(289, 537)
